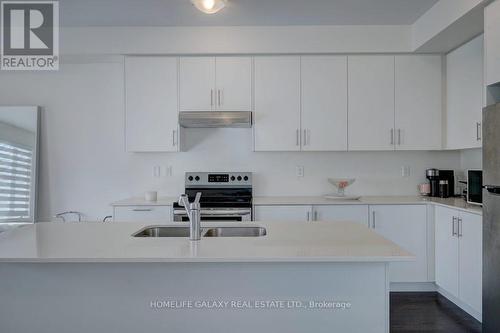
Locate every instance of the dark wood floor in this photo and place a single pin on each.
(429, 312)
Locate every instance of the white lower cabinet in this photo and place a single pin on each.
(446, 250)
(459, 255)
(156, 214)
(405, 225)
(349, 213)
(285, 213)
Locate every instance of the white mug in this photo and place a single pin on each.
(151, 196)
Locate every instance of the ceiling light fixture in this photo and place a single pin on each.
(209, 6)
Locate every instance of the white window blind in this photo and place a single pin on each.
(15, 182)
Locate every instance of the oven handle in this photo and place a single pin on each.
(211, 212)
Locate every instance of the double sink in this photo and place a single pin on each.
(178, 231)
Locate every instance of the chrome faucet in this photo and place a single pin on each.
(193, 212)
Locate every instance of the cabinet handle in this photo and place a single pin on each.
(218, 97)
(142, 210)
(453, 233)
(392, 136)
(315, 215)
(308, 216)
(305, 137)
(211, 97)
(478, 131)
(373, 220)
(459, 220)
(297, 134)
(399, 137)
(173, 137)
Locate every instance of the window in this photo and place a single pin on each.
(15, 182)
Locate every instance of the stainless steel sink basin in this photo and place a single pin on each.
(235, 232)
(163, 232)
(171, 231)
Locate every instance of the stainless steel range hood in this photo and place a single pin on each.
(215, 119)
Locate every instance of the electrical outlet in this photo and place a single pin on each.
(405, 171)
(166, 171)
(156, 171)
(300, 171)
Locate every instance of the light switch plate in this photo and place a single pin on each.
(405, 171)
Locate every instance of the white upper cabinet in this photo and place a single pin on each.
(418, 102)
(215, 83)
(277, 103)
(197, 83)
(492, 42)
(233, 83)
(465, 88)
(151, 104)
(324, 103)
(371, 103)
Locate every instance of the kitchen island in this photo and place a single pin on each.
(98, 277)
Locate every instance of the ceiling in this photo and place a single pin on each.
(242, 12)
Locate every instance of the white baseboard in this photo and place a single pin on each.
(413, 286)
(430, 287)
(477, 315)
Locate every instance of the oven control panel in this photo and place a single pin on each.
(218, 179)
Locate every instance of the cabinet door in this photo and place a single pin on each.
(464, 77)
(197, 83)
(446, 251)
(334, 213)
(324, 103)
(283, 213)
(471, 260)
(371, 103)
(418, 102)
(405, 225)
(277, 103)
(156, 214)
(233, 83)
(492, 42)
(151, 104)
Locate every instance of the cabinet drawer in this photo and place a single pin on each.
(286, 213)
(158, 214)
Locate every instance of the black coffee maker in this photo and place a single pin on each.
(433, 177)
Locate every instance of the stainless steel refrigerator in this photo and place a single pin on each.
(491, 219)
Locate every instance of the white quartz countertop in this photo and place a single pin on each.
(457, 203)
(162, 201)
(113, 242)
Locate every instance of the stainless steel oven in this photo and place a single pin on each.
(217, 214)
(226, 196)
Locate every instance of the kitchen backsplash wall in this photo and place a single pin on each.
(84, 165)
(471, 159)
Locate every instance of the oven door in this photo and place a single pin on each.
(217, 214)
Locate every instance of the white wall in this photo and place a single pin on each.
(84, 165)
(471, 159)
